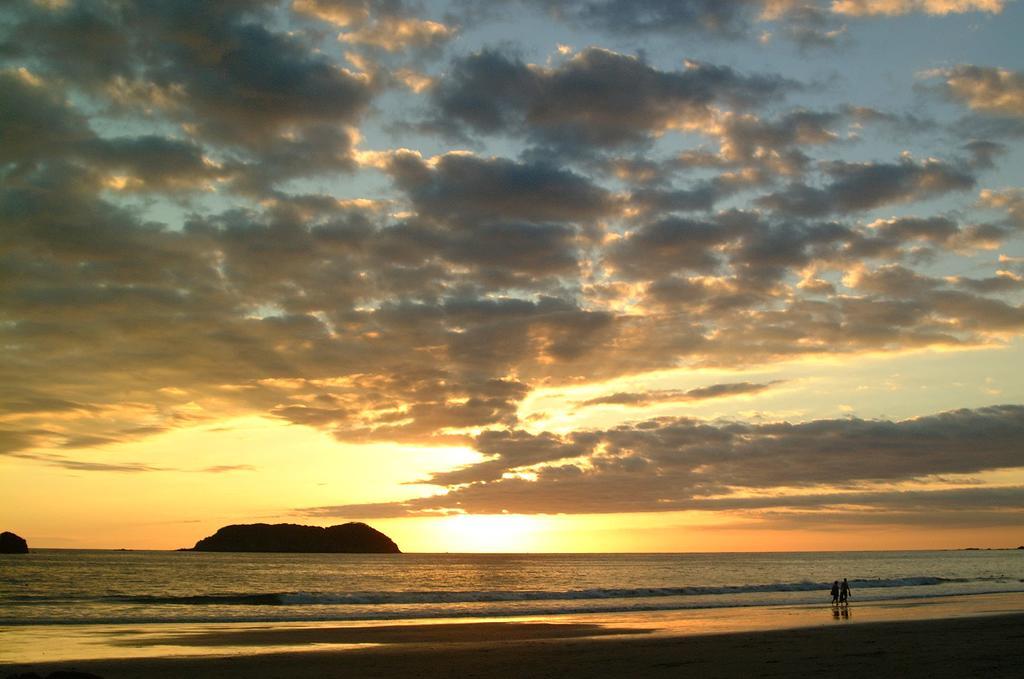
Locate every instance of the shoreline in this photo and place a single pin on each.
(987, 645)
(120, 648)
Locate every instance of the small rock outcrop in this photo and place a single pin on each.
(12, 544)
(347, 538)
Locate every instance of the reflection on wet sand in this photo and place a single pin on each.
(841, 612)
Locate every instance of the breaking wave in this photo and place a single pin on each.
(451, 597)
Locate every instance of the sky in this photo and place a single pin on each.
(514, 275)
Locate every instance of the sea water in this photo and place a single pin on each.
(51, 586)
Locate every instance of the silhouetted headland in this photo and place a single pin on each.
(346, 538)
(12, 544)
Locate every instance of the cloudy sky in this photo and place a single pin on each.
(588, 275)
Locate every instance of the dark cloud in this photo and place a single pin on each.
(856, 187)
(808, 23)
(669, 245)
(219, 70)
(752, 152)
(37, 121)
(741, 244)
(701, 198)
(464, 190)
(596, 99)
(28, 403)
(759, 150)
(508, 450)
(766, 254)
(41, 125)
(89, 466)
(349, 306)
(514, 255)
(403, 401)
(675, 464)
(949, 499)
(152, 163)
(983, 153)
(872, 519)
(722, 17)
(1004, 282)
(892, 238)
(638, 399)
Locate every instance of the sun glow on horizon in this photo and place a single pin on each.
(620, 277)
(491, 533)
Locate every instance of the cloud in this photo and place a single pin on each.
(668, 245)
(639, 399)
(674, 464)
(701, 198)
(756, 150)
(224, 468)
(220, 71)
(394, 34)
(463, 190)
(203, 220)
(387, 25)
(920, 519)
(37, 119)
(89, 466)
(42, 124)
(986, 89)
(1010, 201)
(734, 243)
(596, 99)
(716, 17)
(946, 500)
(856, 187)
(116, 467)
(507, 450)
(152, 163)
(897, 7)
(984, 152)
(349, 305)
(808, 24)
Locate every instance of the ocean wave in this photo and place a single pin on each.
(497, 596)
(494, 610)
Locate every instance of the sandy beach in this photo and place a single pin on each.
(903, 641)
(966, 647)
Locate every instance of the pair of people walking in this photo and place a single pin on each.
(840, 592)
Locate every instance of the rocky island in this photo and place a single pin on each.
(346, 538)
(12, 544)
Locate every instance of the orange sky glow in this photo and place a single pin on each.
(587, 276)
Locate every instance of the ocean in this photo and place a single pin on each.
(58, 587)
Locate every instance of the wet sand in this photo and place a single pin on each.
(978, 635)
(990, 646)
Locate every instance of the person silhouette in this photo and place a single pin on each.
(835, 592)
(844, 592)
